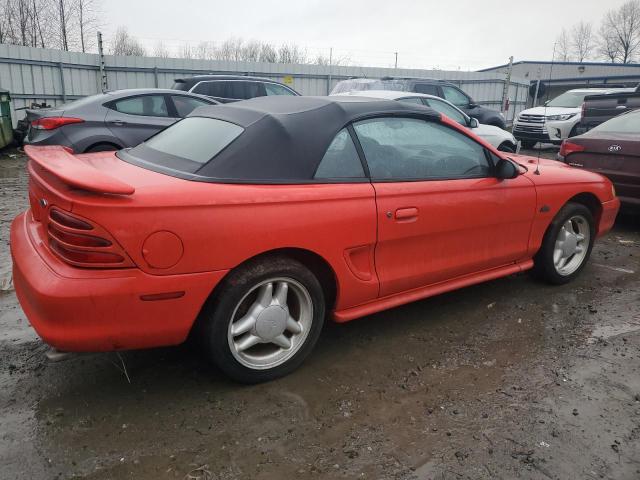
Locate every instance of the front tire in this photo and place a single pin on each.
(566, 245)
(528, 144)
(264, 320)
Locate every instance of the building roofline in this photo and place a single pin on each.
(533, 62)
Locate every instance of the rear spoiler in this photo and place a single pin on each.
(74, 171)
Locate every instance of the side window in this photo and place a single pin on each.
(275, 89)
(412, 100)
(185, 105)
(341, 159)
(450, 111)
(426, 88)
(455, 96)
(146, 105)
(411, 149)
(252, 90)
(212, 89)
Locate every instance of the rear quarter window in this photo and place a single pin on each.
(187, 144)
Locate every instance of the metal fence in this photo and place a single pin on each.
(35, 75)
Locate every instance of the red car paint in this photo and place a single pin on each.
(386, 243)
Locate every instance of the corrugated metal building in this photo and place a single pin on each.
(558, 77)
(35, 75)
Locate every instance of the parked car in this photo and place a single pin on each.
(556, 120)
(499, 138)
(110, 121)
(252, 221)
(611, 149)
(597, 109)
(232, 88)
(429, 86)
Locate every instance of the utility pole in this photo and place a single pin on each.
(103, 72)
(396, 54)
(507, 85)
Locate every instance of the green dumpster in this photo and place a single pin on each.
(6, 129)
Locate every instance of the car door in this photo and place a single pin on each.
(134, 119)
(441, 212)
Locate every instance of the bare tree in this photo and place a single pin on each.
(186, 51)
(563, 46)
(608, 45)
(623, 25)
(160, 50)
(125, 44)
(205, 51)
(251, 51)
(63, 16)
(88, 13)
(291, 54)
(582, 41)
(268, 53)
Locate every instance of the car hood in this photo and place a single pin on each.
(550, 111)
(555, 172)
(491, 131)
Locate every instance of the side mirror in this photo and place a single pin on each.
(506, 170)
(473, 123)
(546, 103)
(472, 104)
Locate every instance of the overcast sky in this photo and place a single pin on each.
(446, 34)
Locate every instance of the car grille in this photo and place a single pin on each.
(518, 127)
(531, 118)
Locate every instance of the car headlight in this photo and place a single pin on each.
(565, 116)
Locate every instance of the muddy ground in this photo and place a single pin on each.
(509, 379)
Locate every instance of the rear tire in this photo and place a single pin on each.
(566, 245)
(264, 320)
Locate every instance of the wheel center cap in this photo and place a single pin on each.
(569, 246)
(271, 322)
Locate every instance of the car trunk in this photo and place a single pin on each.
(33, 114)
(615, 155)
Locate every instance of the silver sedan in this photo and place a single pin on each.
(112, 120)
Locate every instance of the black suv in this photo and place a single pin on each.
(439, 88)
(231, 88)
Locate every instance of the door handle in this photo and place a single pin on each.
(119, 123)
(621, 107)
(406, 214)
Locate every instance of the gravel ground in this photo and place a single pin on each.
(508, 379)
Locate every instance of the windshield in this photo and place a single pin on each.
(187, 145)
(569, 99)
(362, 84)
(629, 123)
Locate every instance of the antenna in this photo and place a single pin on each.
(546, 100)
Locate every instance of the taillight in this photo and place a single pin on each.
(70, 221)
(568, 147)
(82, 243)
(51, 123)
(85, 257)
(78, 239)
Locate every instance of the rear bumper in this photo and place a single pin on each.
(101, 310)
(607, 219)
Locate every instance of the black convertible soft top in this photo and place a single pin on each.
(285, 137)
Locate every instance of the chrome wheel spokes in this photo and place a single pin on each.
(270, 323)
(572, 245)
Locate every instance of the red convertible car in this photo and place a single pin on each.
(245, 225)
